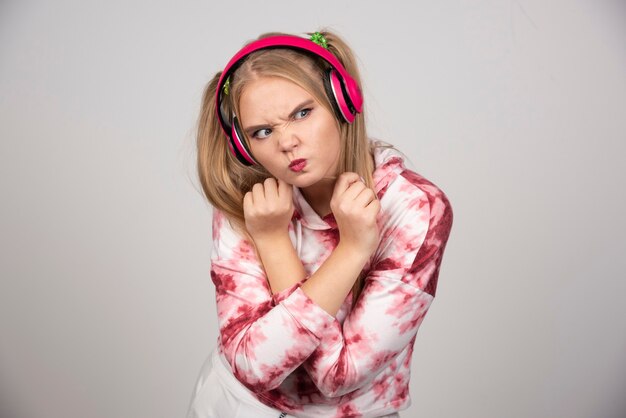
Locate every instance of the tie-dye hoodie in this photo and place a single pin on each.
(296, 357)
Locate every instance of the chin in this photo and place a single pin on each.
(302, 182)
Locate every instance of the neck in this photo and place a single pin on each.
(318, 195)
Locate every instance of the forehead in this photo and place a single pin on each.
(270, 98)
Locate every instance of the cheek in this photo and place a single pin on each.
(261, 156)
(328, 132)
(333, 137)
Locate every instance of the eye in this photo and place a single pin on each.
(303, 113)
(259, 134)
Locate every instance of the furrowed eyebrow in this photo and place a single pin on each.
(252, 129)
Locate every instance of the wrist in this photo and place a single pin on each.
(272, 240)
(281, 263)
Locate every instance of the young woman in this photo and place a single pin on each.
(326, 248)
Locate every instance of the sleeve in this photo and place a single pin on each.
(397, 293)
(263, 337)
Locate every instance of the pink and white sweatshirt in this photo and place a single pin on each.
(296, 357)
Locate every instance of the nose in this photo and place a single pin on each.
(288, 139)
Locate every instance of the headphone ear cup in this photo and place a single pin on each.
(238, 144)
(338, 96)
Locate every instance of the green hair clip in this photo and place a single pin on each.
(226, 86)
(319, 39)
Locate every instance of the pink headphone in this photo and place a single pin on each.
(342, 90)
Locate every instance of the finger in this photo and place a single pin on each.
(258, 194)
(344, 181)
(353, 192)
(374, 206)
(271, 189)
(248, 203)
(364, 198)
(372, 209)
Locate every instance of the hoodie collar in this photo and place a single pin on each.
(389, 163)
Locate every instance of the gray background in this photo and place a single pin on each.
(516, 109)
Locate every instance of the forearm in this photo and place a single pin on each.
(331, 283)
(327, 287)
(370, 338)
(280, 261)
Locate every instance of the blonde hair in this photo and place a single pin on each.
(224, 179)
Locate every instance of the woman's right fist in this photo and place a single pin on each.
(268, 208)
(355, 208)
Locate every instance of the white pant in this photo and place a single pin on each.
(218, 394)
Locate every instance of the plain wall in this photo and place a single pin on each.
(517, 110)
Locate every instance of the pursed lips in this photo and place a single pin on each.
(297, 165)
(296, 162)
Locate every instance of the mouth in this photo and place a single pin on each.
(297, 165)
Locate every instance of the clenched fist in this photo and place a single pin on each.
(268, 208)
(355, 207)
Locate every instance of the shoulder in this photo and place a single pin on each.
(229, 243)
(409, 197)
(404, 191)
(418, 187)
(412, 202)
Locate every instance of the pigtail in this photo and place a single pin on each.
(224, 180)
